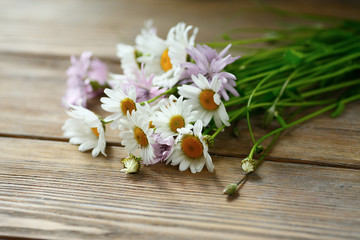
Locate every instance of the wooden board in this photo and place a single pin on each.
(52, 191)
(68, 27)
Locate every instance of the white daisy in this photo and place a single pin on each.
(127, 55)
(136, 135)
(119, 103)
(164, 57)
(206, 100)
(177, 114)
(191, 151)
(85, 128)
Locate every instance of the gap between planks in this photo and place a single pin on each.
(3, 237)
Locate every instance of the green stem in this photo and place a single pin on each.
(296, 84)
(285, 103)
(262, 55)
(252, 94)
(333, 52)
(249, 125)
(322, 68)
(171, 90)
(273, 107)
(330, 88)
(267, 150)
(259, 75)
(261, 159)
(303, 119)
(317, 70)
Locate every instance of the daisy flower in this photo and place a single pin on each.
(210, 64)
(136, 135)
(191, 151)
(118, 103)
(85, 128)
(164, 57)
(127, 55)
(173, 116)
(206, 100)
(82, 73)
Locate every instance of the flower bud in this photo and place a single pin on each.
(247, 165)
(230, 189)
(131, 164)
(259, 149)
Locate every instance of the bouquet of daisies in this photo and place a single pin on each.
(174, 96)
(168, 92)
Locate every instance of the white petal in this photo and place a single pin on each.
(215, 84)
(223, 115)
(199, 166)
(193, 168)
(209, 163)
(217, 99)
(184, 165)
(198, 127)
(86, 146)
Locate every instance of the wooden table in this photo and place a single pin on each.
(307, 189)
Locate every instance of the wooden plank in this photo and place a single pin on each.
(49, 190)
(30, 101)
(69, 27)
(100, 26)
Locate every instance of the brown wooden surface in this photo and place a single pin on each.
(51, 190)
(308, 188)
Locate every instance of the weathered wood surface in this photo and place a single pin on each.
(49, 190)
(52, 191)
(68, 27)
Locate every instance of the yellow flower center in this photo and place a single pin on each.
(140, 137)
(165, 61)
(176, 122)
(95, 131)
(192, 146)
(207, 100)
(127, 105)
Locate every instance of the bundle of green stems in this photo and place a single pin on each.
(307, 68)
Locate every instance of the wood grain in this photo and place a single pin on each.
(30, 101)
(52, 191)
(49, 190)
(68, 27)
